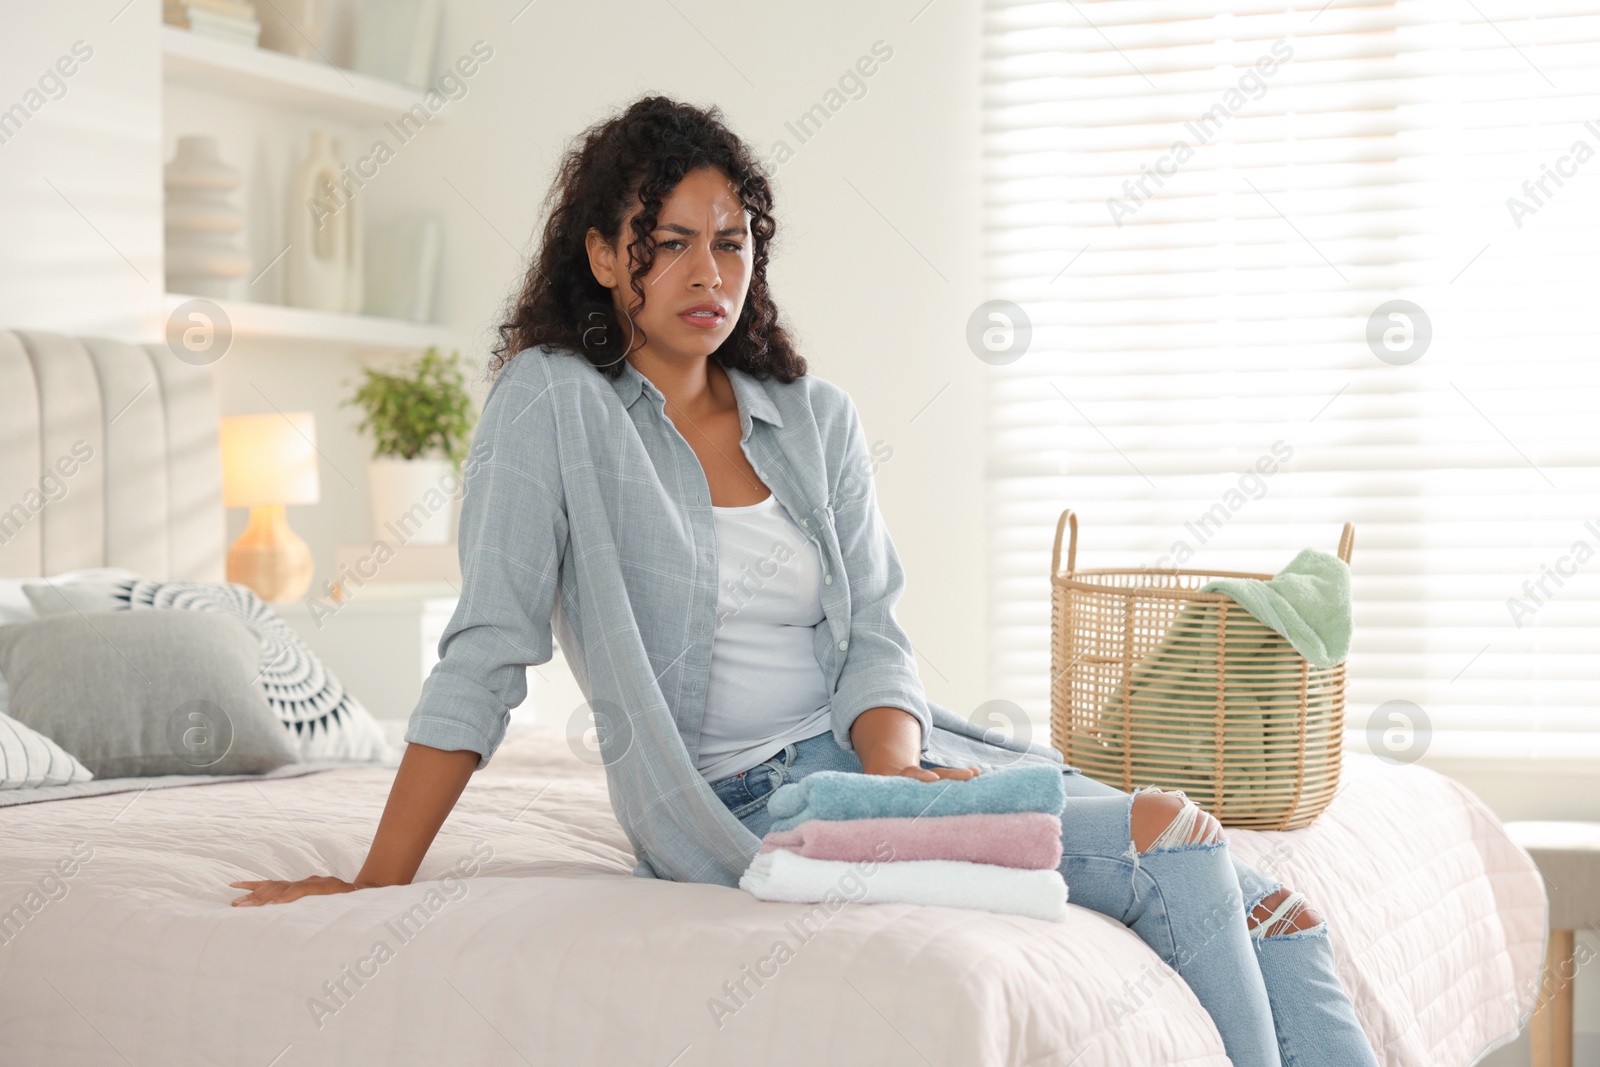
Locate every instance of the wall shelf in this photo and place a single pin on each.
(261, 75)
(303, 324)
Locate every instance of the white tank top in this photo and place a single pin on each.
(766, 687)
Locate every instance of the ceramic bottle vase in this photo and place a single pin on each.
(293, 27)
(203, 226)
(355, 277)
(319, 234)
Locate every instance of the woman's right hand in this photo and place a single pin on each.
(276, 892)
(425, 788)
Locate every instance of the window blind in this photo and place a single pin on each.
(1207, 217)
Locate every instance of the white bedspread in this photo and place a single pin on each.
(550, 953)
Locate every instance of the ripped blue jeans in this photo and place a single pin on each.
(1276, 1001)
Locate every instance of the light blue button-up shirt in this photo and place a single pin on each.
(586, 514)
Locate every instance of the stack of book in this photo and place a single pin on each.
(224, 20)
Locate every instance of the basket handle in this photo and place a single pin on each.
(1347, 541)
(1068, 519)
(1069, 522)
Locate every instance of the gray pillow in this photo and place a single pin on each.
(147, 693)
(325, 722)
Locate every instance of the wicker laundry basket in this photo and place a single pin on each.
(1154, 683)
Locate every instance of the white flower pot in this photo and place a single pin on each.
(413, 500)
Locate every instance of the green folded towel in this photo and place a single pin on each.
(1308, 602)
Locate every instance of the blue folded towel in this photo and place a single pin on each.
(839, 795)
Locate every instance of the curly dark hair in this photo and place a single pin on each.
(641, 153)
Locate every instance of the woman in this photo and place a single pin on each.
(656, 479)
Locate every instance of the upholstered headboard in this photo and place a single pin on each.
(109, 458)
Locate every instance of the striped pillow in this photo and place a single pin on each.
(29, 759)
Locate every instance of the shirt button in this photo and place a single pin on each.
(805, 524)
(843, 645)
(827, 579)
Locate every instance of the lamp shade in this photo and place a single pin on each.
(269, 459)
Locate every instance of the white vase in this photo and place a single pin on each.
(402, 264)
(202, 224)
(355, 240)
(413, 500)
(320, 213)
(293, 27)
(397, 40)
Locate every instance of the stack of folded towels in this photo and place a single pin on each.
(992, 842)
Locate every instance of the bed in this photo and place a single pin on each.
(502, 951)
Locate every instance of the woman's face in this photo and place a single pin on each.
(696, 289)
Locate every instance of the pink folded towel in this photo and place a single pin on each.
(1029, 840)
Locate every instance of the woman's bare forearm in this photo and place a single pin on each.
(886, 740)
(426, 788)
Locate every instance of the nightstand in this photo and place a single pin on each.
(1568, 855)
(380, 643)
(383, 642)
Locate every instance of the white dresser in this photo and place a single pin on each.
(381, 642)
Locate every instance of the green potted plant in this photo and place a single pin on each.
(420, 419)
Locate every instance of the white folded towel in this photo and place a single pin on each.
(788, 876)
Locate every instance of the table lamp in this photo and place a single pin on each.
(269, 461)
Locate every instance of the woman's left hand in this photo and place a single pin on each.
(922, 774)
(888, 741)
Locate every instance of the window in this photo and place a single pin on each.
(1209, 216)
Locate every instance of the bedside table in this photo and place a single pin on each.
(1568, 855)
(380, 643)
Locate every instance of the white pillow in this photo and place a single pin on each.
(29, 759)
(15, 605)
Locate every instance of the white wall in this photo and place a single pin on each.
(80, 219)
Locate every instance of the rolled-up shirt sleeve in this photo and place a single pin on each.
(511, 542)
(879, 667)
